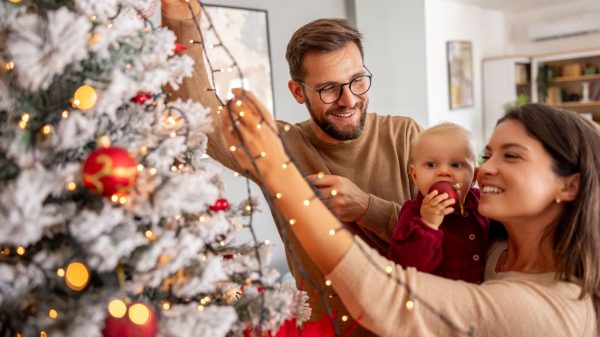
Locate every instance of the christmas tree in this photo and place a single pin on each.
(111, 221)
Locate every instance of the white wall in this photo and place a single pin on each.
(518, 25)
(395, 53)
(447, 21)
(285, 16)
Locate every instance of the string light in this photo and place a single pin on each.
(278, 195)
(65, 114)
(238, 103)
(163, 260)
(344, 318)
(173, 168)
(46, 129)
(5, 252)
(71, 186)
(232, 148)
(202, 218)
(148, 234)
(259, 126)
(204, 258)
(410, 305)
(153, 171)
(143, 150)
(248, 208)
(263, 154)
(292, 221)
(24, 120)
(332, 232)
(242, 114)
(77, 276)
(93, 18)
(60, 272)
(267, 242)
(103, 142)
(53, 313)
(122, 200)
(166, 305)
(117, 308)
(139, 313)
(334, 192)
(114, 198)
(320, 175)
(173, 134)
(284, 166)
(200, 307)
(85, 97)
(287, 128)
(94, 38)
(43, 334)
(140, 167)
(20, 251)
(306, 202)
(389, 269)
(9, 66)
(205, 300)
(328, 283)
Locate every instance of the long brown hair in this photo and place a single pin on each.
(574, 144)
(321, 36)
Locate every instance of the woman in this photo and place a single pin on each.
(540, 179)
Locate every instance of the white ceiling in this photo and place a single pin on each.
(513, 5)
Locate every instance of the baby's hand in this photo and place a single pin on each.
(435, 207)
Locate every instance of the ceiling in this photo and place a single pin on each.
(513, 5)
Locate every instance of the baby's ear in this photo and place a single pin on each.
(412, 172)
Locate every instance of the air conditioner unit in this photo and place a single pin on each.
(567, 26)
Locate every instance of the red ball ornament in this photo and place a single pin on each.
(110, 171)
(449, 188)
(141, 97)
(142, 324)
(179, 47)
(220, 205)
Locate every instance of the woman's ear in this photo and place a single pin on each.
(570, 188)
(296, 90)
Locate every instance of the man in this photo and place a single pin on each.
(363, 158)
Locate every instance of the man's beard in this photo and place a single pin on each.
(332, 130)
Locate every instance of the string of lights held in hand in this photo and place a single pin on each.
(39, 124)
(413, 298)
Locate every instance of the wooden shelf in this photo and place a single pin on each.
(582, 78)
(573, 105)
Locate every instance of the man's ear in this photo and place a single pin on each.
(296, 90)
(570, 188)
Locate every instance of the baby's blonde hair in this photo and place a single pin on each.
(452, 130)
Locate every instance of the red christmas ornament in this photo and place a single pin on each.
(446, 187)
(179, 47)
(140, 325)
(110, 171)
(220, 205)
(141, 97)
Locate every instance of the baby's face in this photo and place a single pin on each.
(442, 158)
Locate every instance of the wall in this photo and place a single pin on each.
(395, 53)
(446, 21)
(518, 22)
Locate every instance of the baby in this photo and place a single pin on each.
(436, 233)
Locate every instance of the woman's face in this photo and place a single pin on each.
(516, 179)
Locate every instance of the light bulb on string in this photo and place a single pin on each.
(77, 276)
(117, 308)
(85, 97)
(139, 313)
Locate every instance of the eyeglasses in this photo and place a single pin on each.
(332, 92)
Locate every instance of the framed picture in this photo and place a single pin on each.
(244, 33)
(460, 74)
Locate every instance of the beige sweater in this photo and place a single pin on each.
(377, 162)
(506, 304)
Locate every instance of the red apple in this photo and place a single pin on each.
(446, 187)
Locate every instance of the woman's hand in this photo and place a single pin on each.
(252, 135)
(180, 9)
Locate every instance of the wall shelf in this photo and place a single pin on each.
(582, 78)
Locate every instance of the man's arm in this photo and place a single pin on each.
(381, 216)
(176, 16)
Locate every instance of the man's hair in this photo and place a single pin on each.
(573, 143)
(320, 36)
(457, 132)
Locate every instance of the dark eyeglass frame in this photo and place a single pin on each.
(342, 85)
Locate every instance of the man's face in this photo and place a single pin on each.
(343, 119)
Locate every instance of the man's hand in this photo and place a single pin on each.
(435, 207)
(347, 200)
(179, 9)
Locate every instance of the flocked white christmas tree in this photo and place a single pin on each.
(111, 223)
